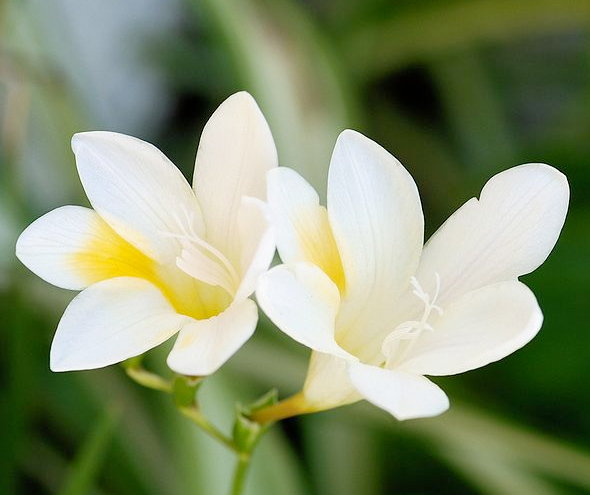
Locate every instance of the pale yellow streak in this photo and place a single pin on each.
(107, 255)
(317, 243)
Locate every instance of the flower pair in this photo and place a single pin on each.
(378, 309)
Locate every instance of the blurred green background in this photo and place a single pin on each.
(457, 90)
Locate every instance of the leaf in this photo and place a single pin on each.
(418, 34)
(85, 469)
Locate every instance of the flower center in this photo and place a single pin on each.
(398, 343)
(201, 260)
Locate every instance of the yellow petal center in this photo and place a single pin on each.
(107, 255)
(317, 244)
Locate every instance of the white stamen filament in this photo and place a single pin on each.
(197, 252)
(410, 330)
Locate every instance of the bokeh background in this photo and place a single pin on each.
(457, 90)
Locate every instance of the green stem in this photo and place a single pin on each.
(240, 473)
(197, 417)
(148, 379)
(184, 390)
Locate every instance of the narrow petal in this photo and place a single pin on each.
(509, 232)
(257, 244)
(376, 217)
(303, 302)
(327, 384)
(235, 152)
(204, 345)
(302, 227)
(111, 321)
(480, 327)
(137, 191)
(404, 395)
(72, 247)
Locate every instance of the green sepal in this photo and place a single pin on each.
(247, 432)
(268, 399)
(185, 389)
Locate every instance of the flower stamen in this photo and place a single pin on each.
(200, 259)
(410, 330)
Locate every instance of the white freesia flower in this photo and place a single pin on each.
(378, 309)
(155, 257)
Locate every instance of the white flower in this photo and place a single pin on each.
(155, 257)
(378, 309)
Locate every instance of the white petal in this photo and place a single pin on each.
(48, 245)
(303, 302)
(204, 262)
(235, 152)
(404, 395)
(480, 327)
(302, 227)
(257, 244)
(510, 231)
(111, 321)
(137, 191)
(327, 384)
(73, 247)
(204, 345)
(376, 217)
